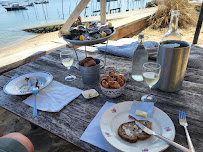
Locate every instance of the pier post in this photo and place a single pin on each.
(103, 11)
(80, 7)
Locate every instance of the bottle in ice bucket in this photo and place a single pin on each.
(173, 57)
(172, 33)
(140, 56)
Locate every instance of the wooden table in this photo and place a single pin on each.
(73, 119)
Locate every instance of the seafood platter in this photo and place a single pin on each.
(89, 34)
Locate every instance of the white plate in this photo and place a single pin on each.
(19, 86)
(90, 42)
(118, 114)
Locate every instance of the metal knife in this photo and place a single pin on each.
(149, 131)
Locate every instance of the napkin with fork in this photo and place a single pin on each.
(53, 97)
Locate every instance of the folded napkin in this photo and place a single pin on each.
(143, 106)
(93, 133)
(126, 46)
(54, 97)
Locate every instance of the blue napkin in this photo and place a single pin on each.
(93, 133)
(126, 46)
(143, 106)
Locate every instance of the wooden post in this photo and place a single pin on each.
(199, 24)
(81, 6)
(103, 11)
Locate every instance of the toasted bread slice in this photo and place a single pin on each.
(131, 132)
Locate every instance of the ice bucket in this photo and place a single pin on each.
(90, 75)
(173, 58)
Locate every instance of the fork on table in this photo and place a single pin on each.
(34, 92)
(32, 83)
(183, 122)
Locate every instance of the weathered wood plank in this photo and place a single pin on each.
(103, 11)
(79, 8)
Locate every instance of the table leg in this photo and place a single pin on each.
(33, 126)
(1, 134)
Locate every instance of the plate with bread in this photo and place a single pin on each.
(122, 134)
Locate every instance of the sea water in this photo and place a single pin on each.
(13, 22)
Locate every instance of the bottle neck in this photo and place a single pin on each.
(140, 41)
(174, 22)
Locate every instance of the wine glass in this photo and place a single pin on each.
(67, 58)
(151, 74)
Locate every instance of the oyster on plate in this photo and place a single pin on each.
(92, 32)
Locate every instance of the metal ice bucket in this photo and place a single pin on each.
(90, 75)
(173, 61)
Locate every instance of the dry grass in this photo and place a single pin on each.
(161, 18)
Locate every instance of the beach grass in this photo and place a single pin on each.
(161, 18)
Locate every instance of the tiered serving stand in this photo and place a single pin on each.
(89, 43)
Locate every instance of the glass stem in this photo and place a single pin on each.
(149, 91)
(68, 68)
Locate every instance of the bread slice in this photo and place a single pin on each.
(130, 132)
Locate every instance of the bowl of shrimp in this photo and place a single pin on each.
(113, 85)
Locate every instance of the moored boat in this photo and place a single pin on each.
(42, 2)
(14, 7)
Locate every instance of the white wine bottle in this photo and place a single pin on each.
(140, 56)
(172, 33)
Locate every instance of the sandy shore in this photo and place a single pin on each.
(36, 40)
(42, 140)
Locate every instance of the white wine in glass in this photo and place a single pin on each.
(151, 78)
(67, 62)
(67, 58)
(151, 74)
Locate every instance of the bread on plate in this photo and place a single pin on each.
(130, 132)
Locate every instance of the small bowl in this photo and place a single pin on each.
(112, 93)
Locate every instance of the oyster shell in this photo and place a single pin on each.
(105, 29)
(81, 27)
(93, 30)
(92, 25)
(94, 36)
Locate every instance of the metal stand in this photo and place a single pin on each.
(85, 51)
(76, 53)
(105, 54)
(86, 54)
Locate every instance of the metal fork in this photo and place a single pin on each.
(183, 122)
(34, 92)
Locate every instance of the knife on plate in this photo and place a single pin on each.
(151, 132)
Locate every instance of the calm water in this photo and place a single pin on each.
(12, 22)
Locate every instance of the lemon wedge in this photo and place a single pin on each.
(110, 24)
(103, 34)
(66, 32)
(82, 38)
